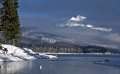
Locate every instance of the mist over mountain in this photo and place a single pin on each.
(34, 36)
(46, 42)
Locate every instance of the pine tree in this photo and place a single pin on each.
(0, 14)
(10, 21)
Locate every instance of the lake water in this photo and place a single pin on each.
(65, 64)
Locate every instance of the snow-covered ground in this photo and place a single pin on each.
(21, 54)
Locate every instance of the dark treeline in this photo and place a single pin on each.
(66, 49)
(53, 49)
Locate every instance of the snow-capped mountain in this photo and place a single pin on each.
(74, 21)
(79, 21)
(78, 18)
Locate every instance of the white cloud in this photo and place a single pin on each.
(99, 28)
(89, 26)
(78, 22)
(74, 25)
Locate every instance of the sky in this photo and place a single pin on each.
(100, 26)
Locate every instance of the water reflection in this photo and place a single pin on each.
(14, 67)
(85, 65)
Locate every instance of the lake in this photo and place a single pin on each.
(66, 64)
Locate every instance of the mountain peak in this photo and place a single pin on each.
(78, 18)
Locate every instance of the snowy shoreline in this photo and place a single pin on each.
(22, 54)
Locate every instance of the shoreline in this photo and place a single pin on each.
(82, 53)
(25, 54)
(32, 58)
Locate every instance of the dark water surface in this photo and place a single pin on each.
(65, 64)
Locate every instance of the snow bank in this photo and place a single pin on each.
(20, 54)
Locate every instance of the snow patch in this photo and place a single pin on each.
(49, 40)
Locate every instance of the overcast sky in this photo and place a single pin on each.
(48, 15)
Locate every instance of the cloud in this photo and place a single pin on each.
(78, 22)
(108, 45)
(114, 37)
(98, 28)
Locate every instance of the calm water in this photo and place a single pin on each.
(66, 64)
